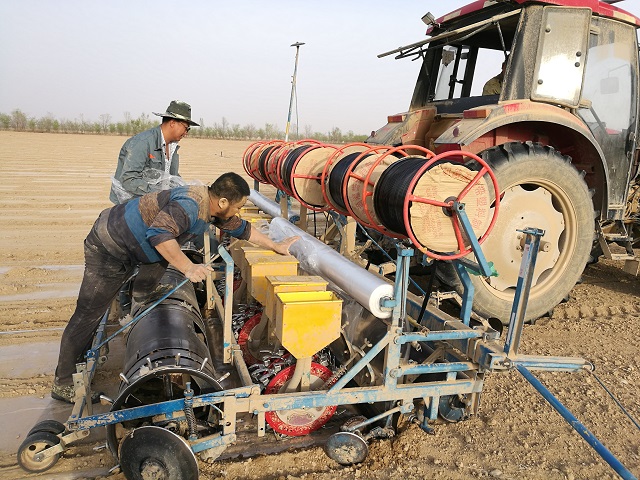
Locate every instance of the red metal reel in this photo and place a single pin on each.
(297, 423)
(254, 159)
(243, 338)
(295, 175)
(324, 178)
(274, 172)
(246, 157)
(458, 156)
(369, 193)
(365, 181)
(275, 147)
(274, 161)
(282, 155)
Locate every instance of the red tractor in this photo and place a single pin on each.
(558, 125)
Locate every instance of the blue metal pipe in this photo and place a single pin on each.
(437, 368)
(443, 335)
(606, 455)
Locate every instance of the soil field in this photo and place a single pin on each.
(54, 186)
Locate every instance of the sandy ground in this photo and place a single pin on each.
(54, 186)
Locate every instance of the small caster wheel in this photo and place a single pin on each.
(51, 426)
(32, 446)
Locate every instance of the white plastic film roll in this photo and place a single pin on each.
(319, 259)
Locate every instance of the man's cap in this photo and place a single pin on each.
(179, 111)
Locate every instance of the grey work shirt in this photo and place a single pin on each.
(140, 152)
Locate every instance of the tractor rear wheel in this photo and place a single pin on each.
(540, 189)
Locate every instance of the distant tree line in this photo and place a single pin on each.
(18, 121)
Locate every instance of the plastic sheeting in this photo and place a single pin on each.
(157, 180)
(319, 259)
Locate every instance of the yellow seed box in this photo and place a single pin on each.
(258, 266)
(306, 322)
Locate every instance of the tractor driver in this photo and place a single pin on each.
(494, 85)
(148, 230)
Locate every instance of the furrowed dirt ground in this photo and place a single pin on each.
(54, 186)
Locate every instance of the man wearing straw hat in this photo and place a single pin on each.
(149, 160)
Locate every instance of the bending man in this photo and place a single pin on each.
(149, 231)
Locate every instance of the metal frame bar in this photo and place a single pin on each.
(477, 350)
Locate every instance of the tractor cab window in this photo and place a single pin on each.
(456, 65)
(468, 67)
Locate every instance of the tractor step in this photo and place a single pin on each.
(617, 237)
(621, 238)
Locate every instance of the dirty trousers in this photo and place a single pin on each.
(104, 274)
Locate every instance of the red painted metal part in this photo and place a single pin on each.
(278, 423)
(272, 165)
(254, 159)
(350, 174)
(325, 174)
(295, 175)
(367, 181)
(283, 155)
(243, 338)
(268, 160)
(599, 8)
(456, 156)
(246, 157)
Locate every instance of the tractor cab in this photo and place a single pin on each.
(566, 95)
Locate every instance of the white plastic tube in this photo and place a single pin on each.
(267, 206)
(319, 259)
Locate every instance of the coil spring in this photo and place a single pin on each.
(190, 416)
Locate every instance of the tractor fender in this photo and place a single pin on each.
(467, 134)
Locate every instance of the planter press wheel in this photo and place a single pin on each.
(299, 422)
(243, 338)
(34, 444)
(51, 426)
(128, 397)
(154, 452)
(457, 156)
(346, 448)
(318, 178)
(324, 178)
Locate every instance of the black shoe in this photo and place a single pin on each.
(66, 394)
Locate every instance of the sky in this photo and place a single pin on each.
(227, 59)
(78, 59)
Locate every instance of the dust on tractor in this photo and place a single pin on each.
(560, 135)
